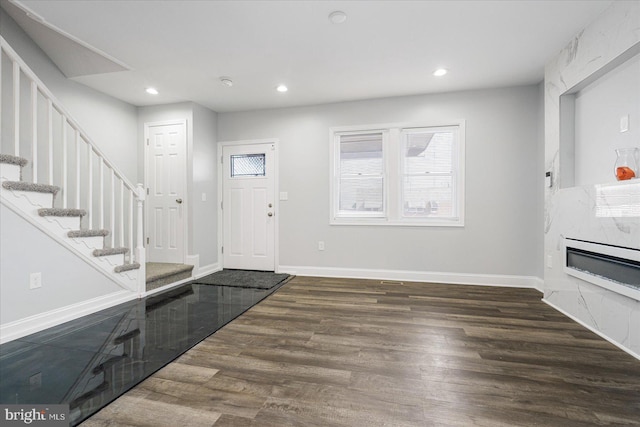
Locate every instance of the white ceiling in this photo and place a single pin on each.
(385, 48)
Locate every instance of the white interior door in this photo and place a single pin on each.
(166, 184)
(248, 207)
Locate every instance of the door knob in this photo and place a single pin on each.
(179, 201)
(270, 214)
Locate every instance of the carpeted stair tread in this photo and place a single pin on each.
(30, 186)
(158, 271)
(109, 251)
(13, 160)
(126, 267)
(88, 233)
(61, 212)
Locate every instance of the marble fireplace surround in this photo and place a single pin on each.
(611, 267)
(577, 211)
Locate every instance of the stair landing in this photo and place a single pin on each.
(159, 274)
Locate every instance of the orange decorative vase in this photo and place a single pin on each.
(626, 166)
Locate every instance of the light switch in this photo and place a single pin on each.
(35, 280)
(624, 123)
(204, 197)
(284, 195)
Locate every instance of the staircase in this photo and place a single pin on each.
(55, 177)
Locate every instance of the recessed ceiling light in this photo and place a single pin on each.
(226, 81)
(337, 17)
(151, 90)
(282, 88)
(440, 72)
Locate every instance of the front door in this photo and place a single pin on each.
(248, 206)
(166, 183)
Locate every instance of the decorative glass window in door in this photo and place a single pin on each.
(243, 165)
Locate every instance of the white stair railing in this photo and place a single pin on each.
(61, 153)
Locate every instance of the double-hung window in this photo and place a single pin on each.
(361, 174)
(398, 175)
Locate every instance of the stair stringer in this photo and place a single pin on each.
(57, 229)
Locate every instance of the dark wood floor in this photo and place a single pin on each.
(335, 352)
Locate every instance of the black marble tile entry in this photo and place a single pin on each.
(89, 362)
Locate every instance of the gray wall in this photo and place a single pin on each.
(66, 279)
(110, 123)
(503, 220)
(598, 109)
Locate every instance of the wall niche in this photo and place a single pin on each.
(592, 116)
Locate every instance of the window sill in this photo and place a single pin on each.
(397, 223)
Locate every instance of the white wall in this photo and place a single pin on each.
(204, 220)
(598, 109)
(201, 173)
(66, 279)
(503, 220)
(109, 122)
(572, 209)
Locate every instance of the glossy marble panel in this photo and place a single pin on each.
(608, 213)
(90, 361)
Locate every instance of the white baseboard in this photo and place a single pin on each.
(595, 331)
(193, 260)
(206, 270)
(538, 284)
(29, 325)
(417, 276)
(167, 287)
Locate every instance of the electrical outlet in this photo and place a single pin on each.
(35, 280)
(549, 261)
(321, 245)
(204, 197)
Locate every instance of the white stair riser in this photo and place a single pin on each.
(66, 222)
(130, 276)
(113, 260)
(9, 172)
(39, 200)
(20, 202)
(95, 242)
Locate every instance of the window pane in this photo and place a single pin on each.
(361, 154)
(428, 152)
(247, 165)
(361, 194)
(428, 196)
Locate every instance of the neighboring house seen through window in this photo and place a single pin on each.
(398, 175)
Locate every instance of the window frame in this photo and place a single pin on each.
(375, 216)
(393, 175)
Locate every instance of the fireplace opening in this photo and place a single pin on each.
(624, 271)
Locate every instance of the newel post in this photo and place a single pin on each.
(140, 251)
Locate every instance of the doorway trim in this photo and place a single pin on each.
(185, 202)
(276, 192)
